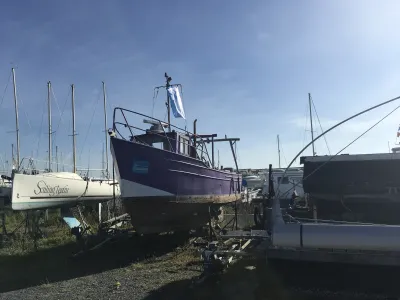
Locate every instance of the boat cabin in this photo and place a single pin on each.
(158, 136)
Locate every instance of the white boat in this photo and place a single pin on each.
(291, 181)
(253, 181)
(50, 190)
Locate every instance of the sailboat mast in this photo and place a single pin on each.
(279, 151)
(105, 125)
(57, 158)
(311, 123)
(12, 157)
(73, 128)
(62, 162)
(16, 116)
(49, 113)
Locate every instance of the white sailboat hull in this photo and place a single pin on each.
(51, 190)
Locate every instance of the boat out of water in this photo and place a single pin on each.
(58, 189)
(362, 187)
(167, 177)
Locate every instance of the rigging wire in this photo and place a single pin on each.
(23, 108)
(63, 110)
(90, 124)
(283, 153)
(40, 130)
(305, 126)
(5, 89)
(348, 145)
(316, 113)
(155, 95)
(54, 132)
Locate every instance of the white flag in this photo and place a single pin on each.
(176, 102)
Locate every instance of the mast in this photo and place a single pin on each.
(73, 129)
(218, 158)
(57, 157)
(12, 156)
(279, 151)
(102, 162)
(49, 113)
(62, 161)
(16, 115)
(105, 126)
(168, 79)
(311, 124)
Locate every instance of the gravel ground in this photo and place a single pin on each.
(165, 267)
(137, 281)
(172, 276)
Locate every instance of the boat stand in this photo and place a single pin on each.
(107, 232)
(32, 226)
(213, 223)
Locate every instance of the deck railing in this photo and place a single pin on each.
(200, 142)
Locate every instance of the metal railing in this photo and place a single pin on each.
(200, 142)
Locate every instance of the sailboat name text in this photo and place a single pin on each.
(44, 188)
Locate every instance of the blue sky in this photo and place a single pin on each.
(246, 68)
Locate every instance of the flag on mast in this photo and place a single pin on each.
(398, 131)
(176, 102)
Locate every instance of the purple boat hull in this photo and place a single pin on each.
(165, 191)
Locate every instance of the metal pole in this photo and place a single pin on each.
(12, 156)
(105, 125)
(212, 151)
(279, 151)
(49, 116)
(234, 154)
(311, 124)
(57, 157)
(16, 116)
(73, 128)
(169, 114)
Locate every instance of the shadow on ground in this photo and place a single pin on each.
(246, 279)
(253, 279)
(56, 264)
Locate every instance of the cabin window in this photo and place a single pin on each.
(159, 145)
(183, 145)
(285, 180)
